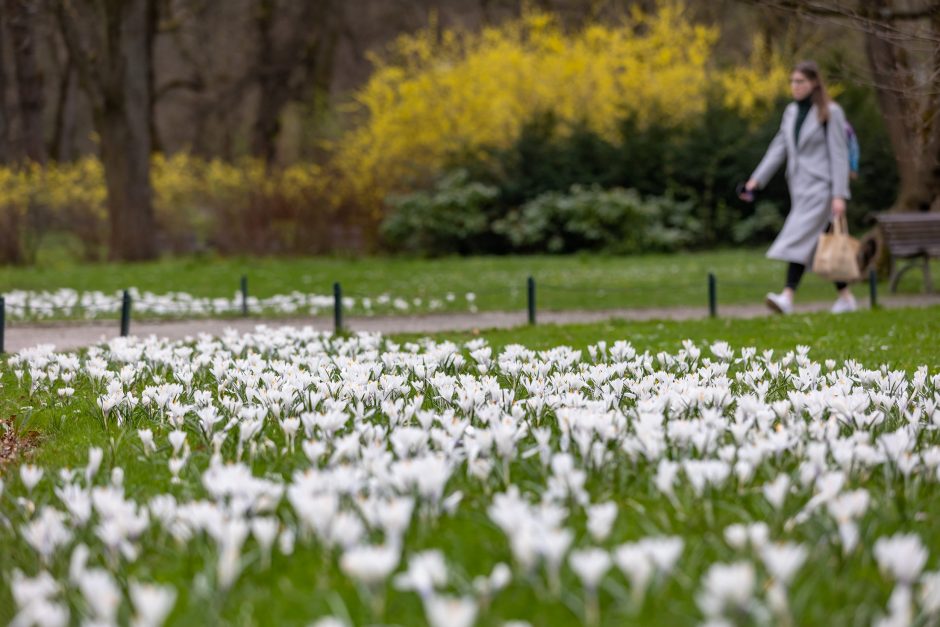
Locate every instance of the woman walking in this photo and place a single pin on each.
(812, 140)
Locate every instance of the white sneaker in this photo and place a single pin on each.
(843, 305)
(779, 303)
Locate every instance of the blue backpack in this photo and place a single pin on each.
(855, 153)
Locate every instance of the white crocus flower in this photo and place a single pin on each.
(666, 474)
(635, 563)
(95, 457)
(177, 440)
(590, 565)
(726, 586)
(783, 560)
(662, 551)
(175, 465)
(285, 542)
(736, 536)
(264, 531)
(77, 501)
(152, 603)
(101, 594)
(370, 564)
(930, 592)
(146, 439)
(29, 590)
(900, 608)
(230, 536)
(47, 532)
(901, 556)
(554, 545)
(77, 563)
(426, 572)
(30, 476)
(447, 611)
(499, 578)
(776, 491)
(33, 597)
(601, 520)
(290, 426)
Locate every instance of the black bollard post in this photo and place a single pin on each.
(530, 284)
(3, 321)
(125, 314)
(712, 295)
(245, 296)
(337, 307)
(873, 288)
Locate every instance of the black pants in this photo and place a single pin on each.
(795, 273)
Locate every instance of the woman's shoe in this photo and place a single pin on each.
(779, 303)
(843, 305)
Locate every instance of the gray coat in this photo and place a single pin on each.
(817, 171)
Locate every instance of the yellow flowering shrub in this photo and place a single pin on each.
(437, 96)
(232, 204)
(750, 89)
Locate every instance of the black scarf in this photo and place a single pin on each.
(802, 111)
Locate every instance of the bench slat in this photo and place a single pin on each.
(919, 216)
(912, 237)
(912, 241)
(922, 242)
(931, 250)
(915, 227)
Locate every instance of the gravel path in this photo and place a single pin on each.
(69, 336)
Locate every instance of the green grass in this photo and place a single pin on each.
(309, 584)
(901, 338)
(569, 282)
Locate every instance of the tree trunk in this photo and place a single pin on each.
(295, 55)
(123, 122)
(272, 84)
(5, 149)
(110, 46)
(910, 111)
(22, 16)
(125, 155)
(268, 121)
(153, 20)
(60, 147)
(931, 164)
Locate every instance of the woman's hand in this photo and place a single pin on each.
(746, 193)
(838, 207)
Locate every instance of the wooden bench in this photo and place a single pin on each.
(914, 237)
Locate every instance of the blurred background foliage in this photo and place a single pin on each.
(531, 133)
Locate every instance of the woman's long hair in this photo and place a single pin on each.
(810, 70)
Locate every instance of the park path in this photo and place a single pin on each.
(70, 336)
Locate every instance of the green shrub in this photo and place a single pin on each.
(451, 218)
(762, 225)
(591, 218)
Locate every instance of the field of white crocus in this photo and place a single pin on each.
(68, 303)
(293, 477)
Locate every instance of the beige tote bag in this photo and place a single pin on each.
(837, 254)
